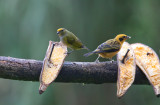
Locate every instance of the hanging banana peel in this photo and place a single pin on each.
(126, 69)
(148, 62)
(52, 64)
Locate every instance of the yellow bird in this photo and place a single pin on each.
(109, 48)
(70, 40)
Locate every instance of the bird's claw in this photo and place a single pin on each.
(97, 61)
(112, 61)
(68, 52)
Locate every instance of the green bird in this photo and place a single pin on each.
(70, 40)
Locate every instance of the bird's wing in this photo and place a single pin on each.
(109, 46)
(74, 41)
(70, 39)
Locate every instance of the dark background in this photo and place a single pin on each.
(26, 26)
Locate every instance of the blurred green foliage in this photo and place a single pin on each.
(26, 26)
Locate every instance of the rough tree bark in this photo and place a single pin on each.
(73, 72)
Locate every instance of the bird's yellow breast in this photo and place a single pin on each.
(108, 55)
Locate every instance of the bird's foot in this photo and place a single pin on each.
(97, 61)
(111, 60)
(68, 52)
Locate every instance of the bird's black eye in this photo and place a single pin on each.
(120, 39)
(124, 36)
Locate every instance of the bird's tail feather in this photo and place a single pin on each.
(88, 54)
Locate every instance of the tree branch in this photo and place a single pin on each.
(74, 72)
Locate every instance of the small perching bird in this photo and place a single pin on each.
(109, 48)
(70, 40)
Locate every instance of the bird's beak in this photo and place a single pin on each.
(57, 32)
(128, 37)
